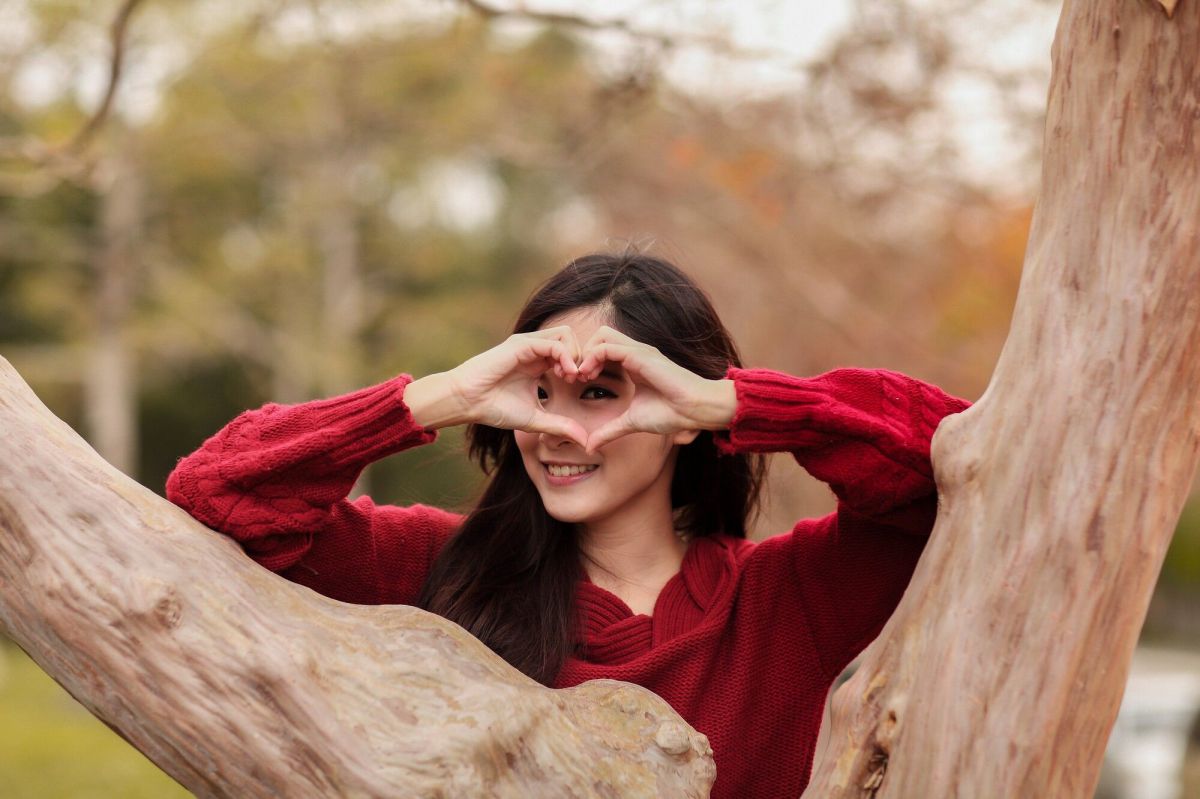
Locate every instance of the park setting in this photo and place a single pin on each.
(251, 251)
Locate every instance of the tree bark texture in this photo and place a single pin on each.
(237, 682)
(1001, 673)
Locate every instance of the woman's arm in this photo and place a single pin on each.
(864, 432)
(276, 480)
(867, 434)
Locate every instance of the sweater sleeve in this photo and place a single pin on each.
(867, 434)
(277, 481)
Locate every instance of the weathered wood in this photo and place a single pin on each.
(239, 683)
(1001, 673)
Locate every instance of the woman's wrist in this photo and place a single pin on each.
(434, 403)
(716, 405)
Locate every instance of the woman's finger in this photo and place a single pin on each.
(552, 350)
(609, 431)
(632, 358)
(563, 333)
(552, 423)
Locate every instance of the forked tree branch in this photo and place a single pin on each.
(117, 37)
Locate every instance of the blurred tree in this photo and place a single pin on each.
(292, 152)
(109, 382)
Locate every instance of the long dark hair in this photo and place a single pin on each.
(509, 574)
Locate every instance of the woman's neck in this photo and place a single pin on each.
(641, 553)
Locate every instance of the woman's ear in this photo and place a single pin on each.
(684, 437)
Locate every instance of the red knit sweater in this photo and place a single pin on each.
(745, 641)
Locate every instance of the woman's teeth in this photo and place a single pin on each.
(569, 471)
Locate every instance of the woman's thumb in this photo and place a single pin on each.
(608, 432)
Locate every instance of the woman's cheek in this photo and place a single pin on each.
(604, 412)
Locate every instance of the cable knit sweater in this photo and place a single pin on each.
(744, 642)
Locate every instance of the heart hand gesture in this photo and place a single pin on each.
(668, 398)
(499, 388)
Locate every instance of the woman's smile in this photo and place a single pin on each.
(561, 474)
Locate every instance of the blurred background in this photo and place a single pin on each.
(206, 205)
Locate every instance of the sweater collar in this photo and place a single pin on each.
(611, 632)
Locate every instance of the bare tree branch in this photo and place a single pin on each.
(719, 45)
(117, 35)
(489, 11)
(64, 162)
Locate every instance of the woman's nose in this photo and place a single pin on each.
(552, 441)
(555, 438)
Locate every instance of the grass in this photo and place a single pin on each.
(52, 748)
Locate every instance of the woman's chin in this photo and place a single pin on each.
(568, 518)
(566, 514)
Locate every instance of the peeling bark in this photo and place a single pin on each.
(237, 682)
(1002, 670)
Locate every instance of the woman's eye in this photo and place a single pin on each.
(542, 393)
(604, 392)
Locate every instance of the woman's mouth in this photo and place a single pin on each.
(563, 475)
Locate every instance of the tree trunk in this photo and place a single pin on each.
(110, 387)
(237, 682)
(1002, 670)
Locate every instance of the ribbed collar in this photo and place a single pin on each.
(613, 634)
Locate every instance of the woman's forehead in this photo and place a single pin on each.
(582, 321)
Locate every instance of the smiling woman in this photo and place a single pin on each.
(622, 440)
(616, 362)
(634, 485)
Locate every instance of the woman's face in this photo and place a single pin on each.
(631, 475)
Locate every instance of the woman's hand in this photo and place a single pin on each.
(498, 388)
(667, 399)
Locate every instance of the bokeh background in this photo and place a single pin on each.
(278, 200)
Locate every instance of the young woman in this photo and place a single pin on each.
(621, 436)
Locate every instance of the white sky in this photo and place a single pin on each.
(785, 32)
